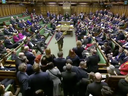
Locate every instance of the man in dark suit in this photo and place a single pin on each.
(66, 16)
(34, 44)
(24, 23)
(9, 44)
(95, 88)
(17, 19)
(27, 34)
(69, 81)
(20, 24)
(40, 38)
(30, 56)
(80, 71)
(33, 29)
(37, 26)
(23, 79)
(60, 62)
(123, 87)
(12, 21)
(6, 31)
(41, 80)
(11, 29)
(92, 62)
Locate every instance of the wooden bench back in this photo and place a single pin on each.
(112, 81)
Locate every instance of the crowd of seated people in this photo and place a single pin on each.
(77, 74)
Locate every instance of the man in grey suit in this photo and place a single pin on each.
(23, 79)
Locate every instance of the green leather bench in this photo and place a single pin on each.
(8, 18)
(8, 21)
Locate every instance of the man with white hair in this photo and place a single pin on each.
(12, 21)
(95, 87)
(6, 31)
(11, 29)
(30, 55)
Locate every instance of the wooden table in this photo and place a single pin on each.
(65, 22)
(66, 28)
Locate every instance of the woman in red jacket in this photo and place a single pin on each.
(124, 68)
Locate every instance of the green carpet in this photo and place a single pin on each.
(69, 43)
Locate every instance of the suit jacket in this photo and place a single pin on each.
(6, 32)
(92, 63)
(81, 73)
(79, 51)
(60, 63)
(2, 49)
(20, 25)
(13, 22)
(8, 43)
(75, 60)
(11, 29)
(17, 20)
(23, 80)
(122, 88)
(120, 36)
(30, 57)
(69, 80)
(95, 88)
(32, 29)
(42, 81)
(26, 33)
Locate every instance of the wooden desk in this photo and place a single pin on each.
(65, 22)
(68, 28)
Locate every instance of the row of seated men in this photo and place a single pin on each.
(69, 80)
(109, 31)
(20, 36)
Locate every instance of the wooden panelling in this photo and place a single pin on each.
(120, 9)
(51, 8)
(6, 10)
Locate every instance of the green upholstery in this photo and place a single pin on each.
(113, 45)
(49, 25)
(29, 30)
(25, 18)
(42, 32)
(17, 52)
(102, 60)
(8, 88)
(8, 18)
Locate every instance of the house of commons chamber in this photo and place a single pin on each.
(63, 47)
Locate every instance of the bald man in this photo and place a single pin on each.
(95, 87)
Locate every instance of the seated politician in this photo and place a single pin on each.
(32, 28)
(30, 55)
(34, 44)
(6, 31)
(3, 49)
(9, 44)
(11, 29)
